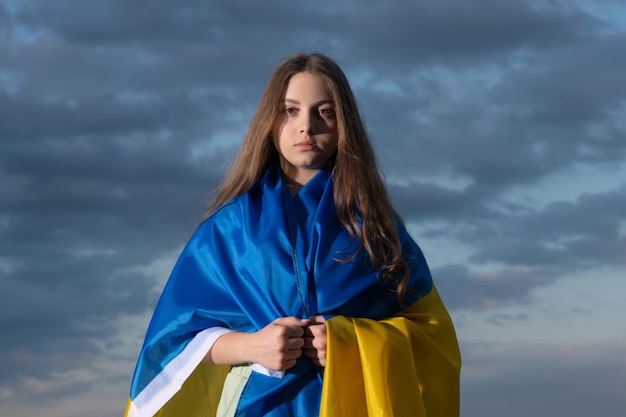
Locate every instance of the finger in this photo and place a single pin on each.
(295, 343)
(292, 321)
(317, 357)
(313, 343)
(307, 342)
(288, 364)
(291, 354)
(319, 319)
(313, 356)
(294, 331)
(316, 330)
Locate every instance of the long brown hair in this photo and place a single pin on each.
(361, 200)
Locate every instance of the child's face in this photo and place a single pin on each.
(306, 130)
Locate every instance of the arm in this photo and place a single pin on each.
(277, 346)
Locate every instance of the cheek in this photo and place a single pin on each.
(335, 136)
(278, 129)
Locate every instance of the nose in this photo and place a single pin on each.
(306, 122)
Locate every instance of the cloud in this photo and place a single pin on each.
(477, 289)
(554, 380)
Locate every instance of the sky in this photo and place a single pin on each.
(499, 125)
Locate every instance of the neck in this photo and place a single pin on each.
(298, 179)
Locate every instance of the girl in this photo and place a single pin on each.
(301, 294)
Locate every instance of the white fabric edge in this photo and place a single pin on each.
(169, 381)
(269, 372)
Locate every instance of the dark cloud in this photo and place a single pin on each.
(476, 289)
(582, 234)
(533, 247)
(453, 32)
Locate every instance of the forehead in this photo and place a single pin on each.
(306, 86)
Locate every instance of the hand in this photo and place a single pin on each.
(278, 345)
(315, 340)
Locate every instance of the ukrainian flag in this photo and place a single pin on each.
(269, 255)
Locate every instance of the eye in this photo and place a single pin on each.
(290, 111)
(326, 111)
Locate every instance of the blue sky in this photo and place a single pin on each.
(500, 128)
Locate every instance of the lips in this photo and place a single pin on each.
(306, 145)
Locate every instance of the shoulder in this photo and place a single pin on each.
(228, 213)
(233, 212)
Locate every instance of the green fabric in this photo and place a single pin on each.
(233, 387)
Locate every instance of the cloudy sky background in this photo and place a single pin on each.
(501, 130)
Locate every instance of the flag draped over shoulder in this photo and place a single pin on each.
(267, 255)
(404, 366)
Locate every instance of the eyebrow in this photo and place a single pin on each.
(319, 103)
